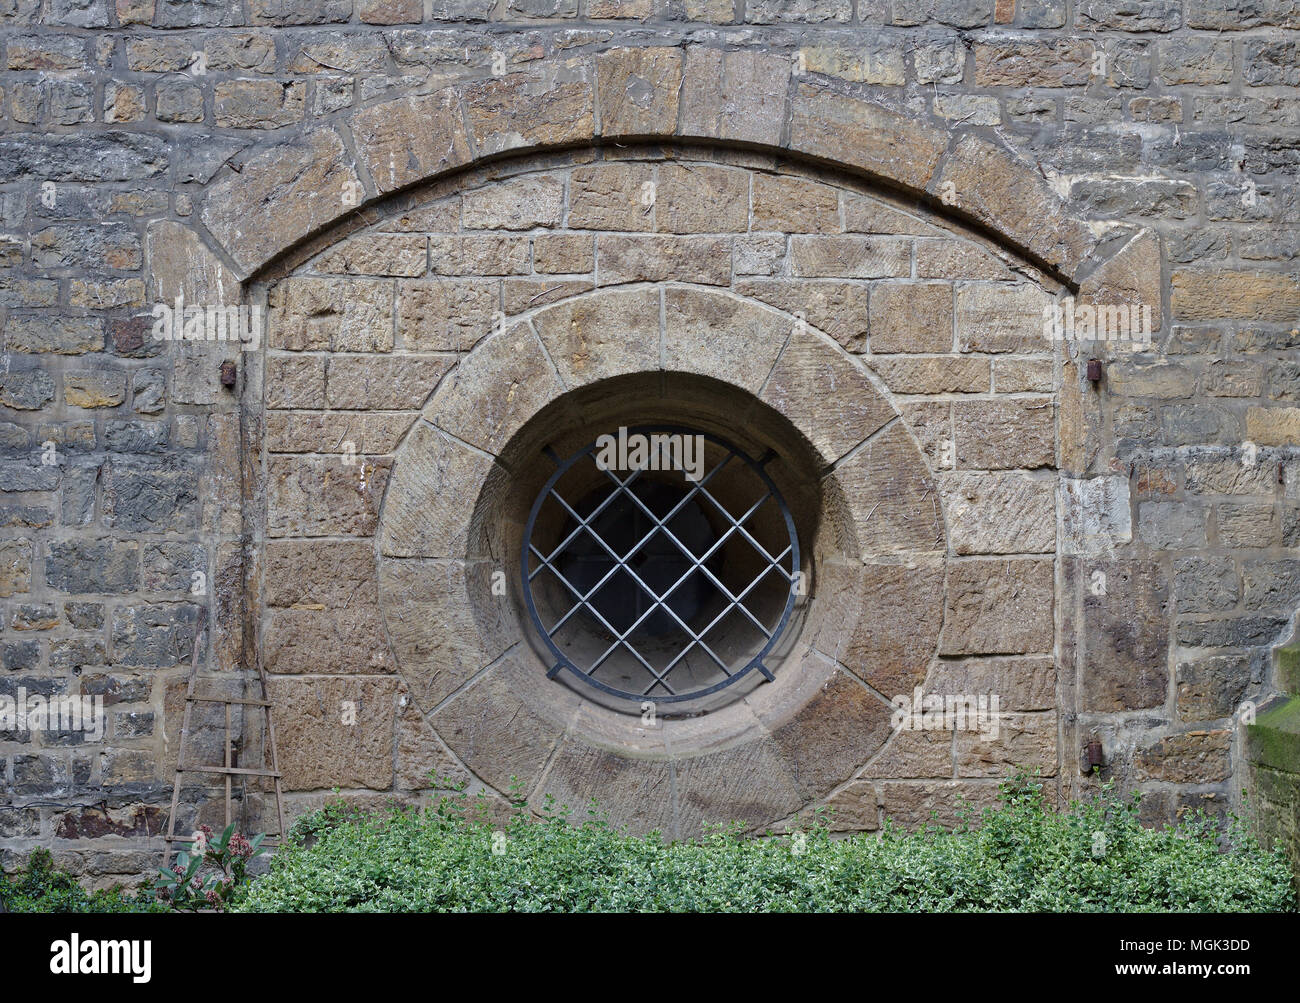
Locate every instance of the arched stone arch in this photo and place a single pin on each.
(298, 182)
(289, 192)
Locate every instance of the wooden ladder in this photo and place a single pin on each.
(227, 769)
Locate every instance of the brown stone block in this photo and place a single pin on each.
(444, 622)
(445, 315)
(636, 793)
(1001, 318)
(329, 573)
(1021, 741)
(1004, 434)
(748, 783)
(999, 513)
(410, 139)
(1273, 426)
(181, 266)
(318, 746)
(913, 754)
(290, 190)
(998, 607)
(997, 188)
(738, 95)
(429, 511)
(850, 256)
(912, 804)
(1204, 294)
(722, 337)
(520, 295)
(1126, 614)
(324, 497)
(1033, 63)
(837, 308)
(514, 204)
(343, 315)
(790, 204)
(295, 381)
(479, 254)
(946, 258)
(550, 108)
(1132, 277)
(611, 197)
(1012, 376)
(865, 214)
(292, 432)
(911, 318)
(495, 389)
(1193, 757)
(696, 199)
(564, 253)
(638, 91)
(421, 758)
(856, 808)
(362, 382)
(858, 133)
(346, 640)
(946, 374)
(497, 735)
(705, 260)
(595, 337)
(897, 626)
(377, 254)
(893, 502)
(809, 367)
(1021, 684)
(832, 735)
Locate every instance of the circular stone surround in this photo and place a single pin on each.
(468, 470)
(453, 518)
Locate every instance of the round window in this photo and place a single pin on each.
(660, 563)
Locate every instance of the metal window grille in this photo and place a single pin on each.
(651, 585)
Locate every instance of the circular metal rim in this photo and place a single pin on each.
(563, 661)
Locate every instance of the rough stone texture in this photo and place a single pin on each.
(999, 513)
(133, 172)
(319, 748)
(1125, 623)
(998, 607)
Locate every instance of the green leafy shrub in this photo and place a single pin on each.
(40, 887)
(1018, 857)
(210, 874)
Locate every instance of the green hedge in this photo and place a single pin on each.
(1020, 856)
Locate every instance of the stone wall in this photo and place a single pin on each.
(291, 154)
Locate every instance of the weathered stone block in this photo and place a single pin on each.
(998, 607)
(911, 318)
(639, 91)
(335, 732)
(1125, 636)
(1201, 757)
(491, 393)
(1004, 434)
(324, 497)
(515, 204)
(598, 337)
(999, 513)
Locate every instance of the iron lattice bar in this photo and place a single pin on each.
(536, 559)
